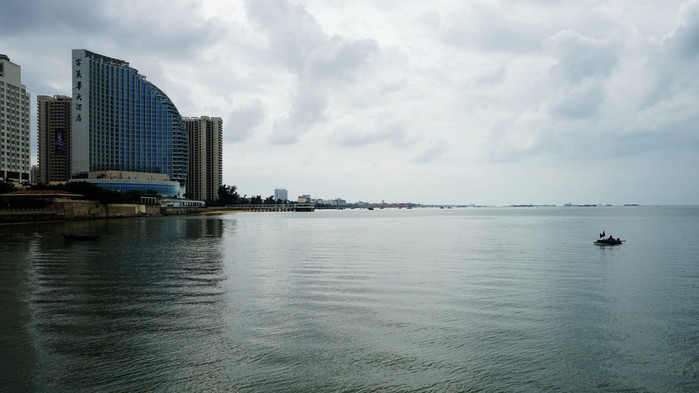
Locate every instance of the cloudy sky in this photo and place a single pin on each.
(480, 101)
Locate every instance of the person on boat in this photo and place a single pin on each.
(601, 235)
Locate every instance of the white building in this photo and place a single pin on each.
(281, 194)
(14, 123)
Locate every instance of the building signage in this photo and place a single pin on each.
(80, 111)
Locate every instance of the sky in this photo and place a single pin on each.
(490, 102)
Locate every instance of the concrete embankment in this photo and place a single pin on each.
(68, 210)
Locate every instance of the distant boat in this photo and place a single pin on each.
(610, 241)
(72, 238)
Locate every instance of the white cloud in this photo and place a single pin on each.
(355, 135)
(579, 57)
(242, 121)
(463, 97)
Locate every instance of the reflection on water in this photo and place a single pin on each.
(421, 300)
(80, 308)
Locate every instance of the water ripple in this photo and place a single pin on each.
(459, 300)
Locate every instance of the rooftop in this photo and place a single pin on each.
(41, 193)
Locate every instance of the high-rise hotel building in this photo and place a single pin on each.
(122, 122)
(14, 123)
(205, 157)
(54, 124)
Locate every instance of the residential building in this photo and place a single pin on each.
(123, 122)
(34, 174)
(14, 123)
(54, 136)
(281, 194)
(205, 174)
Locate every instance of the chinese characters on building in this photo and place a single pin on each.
(78, 87)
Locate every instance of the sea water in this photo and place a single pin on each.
(463, 299)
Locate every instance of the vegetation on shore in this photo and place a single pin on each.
(228, 195)
(88, 190)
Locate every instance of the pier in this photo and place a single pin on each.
(286, 207)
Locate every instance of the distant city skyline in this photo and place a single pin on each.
(492, 103)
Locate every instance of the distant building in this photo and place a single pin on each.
(304, 199)
(122, 122)
(34, 174)
(331, 202)
(54, 136)
(14, 123)
(281, 194)
(205, 173)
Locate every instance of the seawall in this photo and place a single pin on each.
(69, 210)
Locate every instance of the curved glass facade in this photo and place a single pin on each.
(123, 122)
(165, 188)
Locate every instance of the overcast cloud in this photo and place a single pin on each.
(487, 102)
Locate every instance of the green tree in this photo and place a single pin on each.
(6, 187)
(270, 200)
(92, 192)
(256, 200)
(86, 189)
(228, 195)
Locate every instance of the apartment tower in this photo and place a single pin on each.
(54, 125)
(14, 123)
(123, 122)
(281, 194)
(205, 157)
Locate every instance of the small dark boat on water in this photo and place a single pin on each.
(74, 238)
(608, 241)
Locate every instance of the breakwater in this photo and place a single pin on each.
(68, 210)
(289, 207)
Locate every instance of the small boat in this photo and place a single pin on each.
(73, 238)
(610, 241)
